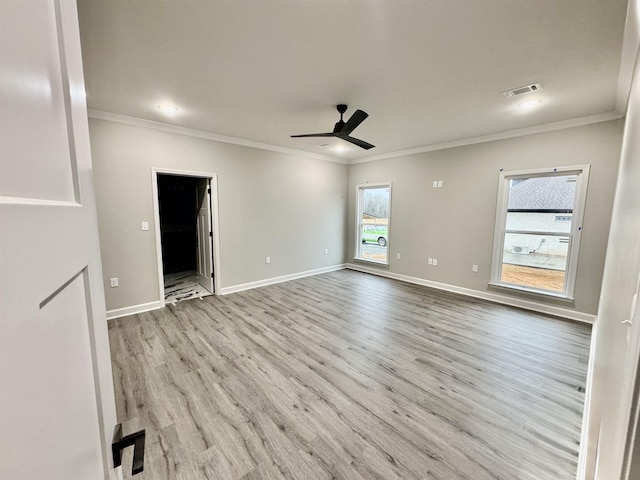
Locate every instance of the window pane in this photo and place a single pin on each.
(539, 222)
(537, 261)
(541, 204)
(374, 223)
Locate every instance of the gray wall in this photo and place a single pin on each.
(271, 204)
(455, 224)
(292, 208)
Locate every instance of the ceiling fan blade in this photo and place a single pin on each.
(314, 135)
(356, 119)
(356, 141)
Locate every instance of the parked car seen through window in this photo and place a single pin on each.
(374, 234)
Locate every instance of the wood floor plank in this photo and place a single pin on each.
(350, 376)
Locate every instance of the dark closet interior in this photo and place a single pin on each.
(178, 215)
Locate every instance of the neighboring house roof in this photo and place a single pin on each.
(551, 194)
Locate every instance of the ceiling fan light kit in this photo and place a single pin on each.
(343, 129)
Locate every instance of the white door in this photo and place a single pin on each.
(631, 373)
(205, 234)
(57, 409)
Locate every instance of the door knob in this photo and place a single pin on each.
(120, 443)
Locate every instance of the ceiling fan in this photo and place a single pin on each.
(342, 129)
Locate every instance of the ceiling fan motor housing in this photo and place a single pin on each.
(338, 126)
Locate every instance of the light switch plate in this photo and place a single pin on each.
(145, 226)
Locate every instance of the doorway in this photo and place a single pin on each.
(186, 232)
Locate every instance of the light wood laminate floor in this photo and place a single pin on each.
(350, 376)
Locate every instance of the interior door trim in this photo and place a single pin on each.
(215, 252)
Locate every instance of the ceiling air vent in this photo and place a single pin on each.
(534, 87)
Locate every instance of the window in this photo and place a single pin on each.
(538, 228)
(372, 222)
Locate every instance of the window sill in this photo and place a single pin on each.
(532, 291)
(375, 262)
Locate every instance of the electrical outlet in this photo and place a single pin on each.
(145, 226)
(397, 256)
(267, 260)
(435, 262)
(430, 261)
(114, 282)
(474, 268)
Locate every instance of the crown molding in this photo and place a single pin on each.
(547, 127)
(190, 132)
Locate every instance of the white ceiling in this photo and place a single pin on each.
(427, 72)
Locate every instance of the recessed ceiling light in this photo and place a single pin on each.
(529, 104)
(168, 109)
(340, 148)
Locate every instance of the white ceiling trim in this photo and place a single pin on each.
(190, 132)
(547, 127)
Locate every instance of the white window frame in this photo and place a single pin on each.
(582, 181)
(359, 225)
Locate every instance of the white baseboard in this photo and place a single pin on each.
(284, 278)
(493, 297)
(143, 307)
